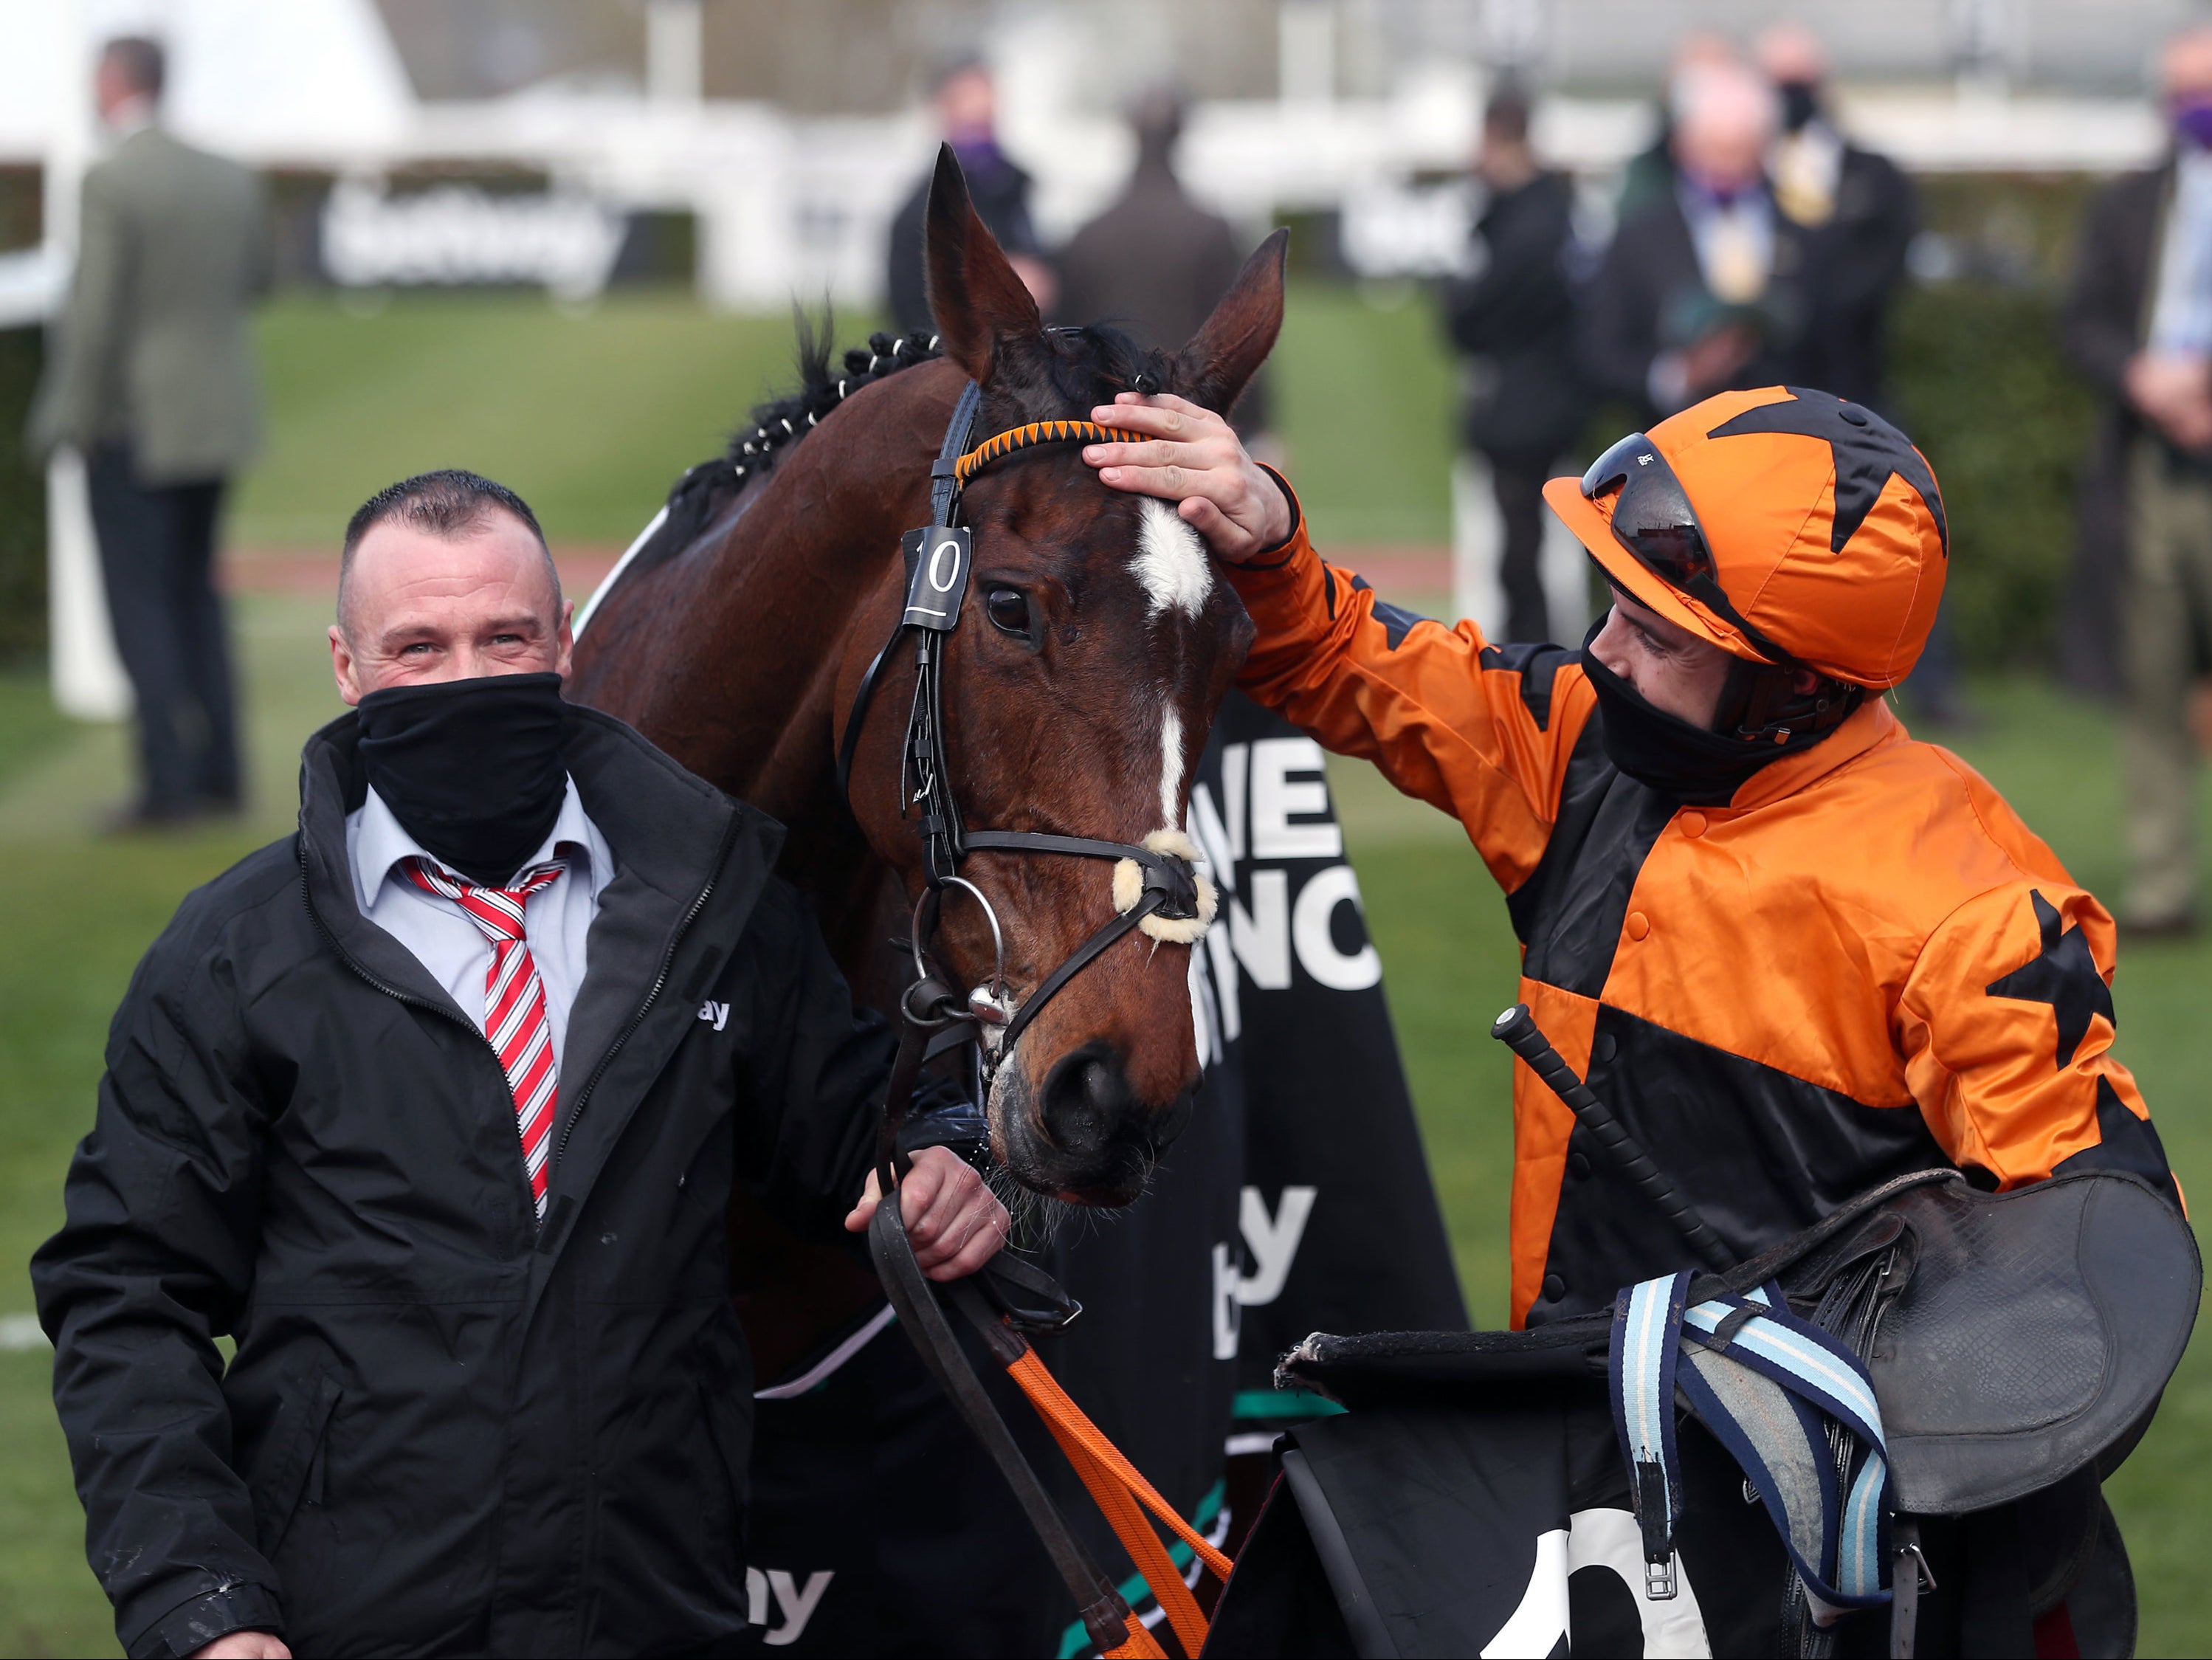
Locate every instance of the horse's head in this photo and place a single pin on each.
(1096, 642)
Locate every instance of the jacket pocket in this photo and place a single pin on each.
(295, 1473)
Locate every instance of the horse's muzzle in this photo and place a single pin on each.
(1085, 1135)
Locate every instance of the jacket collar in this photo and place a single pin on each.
(1871, 726)
(684, 853)
(663, 824)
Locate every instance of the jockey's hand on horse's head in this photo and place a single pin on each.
(1194, 459)
(954, 1222)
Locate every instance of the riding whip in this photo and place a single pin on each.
(1517, 1029)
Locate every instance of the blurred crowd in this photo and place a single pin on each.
(1753, 245)
(1753, 242)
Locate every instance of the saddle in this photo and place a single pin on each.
(2016, 1337)
(2017, 1344)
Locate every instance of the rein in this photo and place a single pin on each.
(1157, 888)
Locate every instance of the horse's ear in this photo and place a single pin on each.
(975, 294)
(1227, 352)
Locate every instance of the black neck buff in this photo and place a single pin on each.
(471, 769)
(1692, 764)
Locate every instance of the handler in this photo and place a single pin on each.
(435, 1108)
(1795, 952)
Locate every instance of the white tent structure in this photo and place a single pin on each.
(789, 205)
(265, 80)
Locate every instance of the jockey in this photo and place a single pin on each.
(1795, 951)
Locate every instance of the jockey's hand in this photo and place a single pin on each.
(1194, 459)
(955, 1223)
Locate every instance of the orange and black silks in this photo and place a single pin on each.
(1863, 963)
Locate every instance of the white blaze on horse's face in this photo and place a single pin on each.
(1171, 563)
(1170, 766)
(1170, 560)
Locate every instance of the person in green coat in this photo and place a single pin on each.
(151, 377)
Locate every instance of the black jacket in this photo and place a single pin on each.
(2101, 324)
(1515, 318)
(1001, 195)
(1649, 296)
(445, 1430)
(1856, 259)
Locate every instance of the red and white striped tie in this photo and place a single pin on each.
(514, 1002)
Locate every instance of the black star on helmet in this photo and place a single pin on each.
(2063, 974)
(1866, 449)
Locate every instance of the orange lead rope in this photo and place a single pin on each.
(1119, 1489)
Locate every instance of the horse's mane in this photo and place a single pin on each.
(1078, 368)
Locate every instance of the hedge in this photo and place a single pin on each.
(1977, 382)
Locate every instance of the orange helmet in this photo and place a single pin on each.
(1785, 525)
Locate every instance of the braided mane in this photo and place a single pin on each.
(782, 422)
(1073, 370)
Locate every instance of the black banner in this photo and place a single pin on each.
(1298, 1200)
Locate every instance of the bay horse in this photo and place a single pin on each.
(1079, 689)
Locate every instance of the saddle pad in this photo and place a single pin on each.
(2035, 1332)
(2037, 1329)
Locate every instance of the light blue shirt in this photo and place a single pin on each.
(557, 921)
(2181, 315)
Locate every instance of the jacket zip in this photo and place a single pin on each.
(637, 1016)
(307, 900)
(653, 992)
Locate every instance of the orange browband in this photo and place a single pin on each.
(1039, 432)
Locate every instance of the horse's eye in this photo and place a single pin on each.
(1009, 610)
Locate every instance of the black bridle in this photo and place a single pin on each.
(1009, 1299)
(938, 560)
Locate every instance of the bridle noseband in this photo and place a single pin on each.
(1156, 885)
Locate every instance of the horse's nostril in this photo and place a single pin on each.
(1087, 1102)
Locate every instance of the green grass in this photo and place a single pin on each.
(29, 724)
(590, 417)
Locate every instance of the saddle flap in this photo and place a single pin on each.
(2038, 1329)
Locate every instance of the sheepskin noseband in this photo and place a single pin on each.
(1129, 888)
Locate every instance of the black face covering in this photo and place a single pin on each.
(1692, 764)
(471, 769)
(1801, 102)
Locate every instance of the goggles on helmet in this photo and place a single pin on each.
(1652, 518)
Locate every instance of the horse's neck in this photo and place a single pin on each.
(762, 624)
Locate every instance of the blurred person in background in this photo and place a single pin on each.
(1650, 174)
(2137, 322)
(1859, 212)
(1704, 288)
(967, 106)
(1155, 261)
(153, 379)
(1524, 404)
